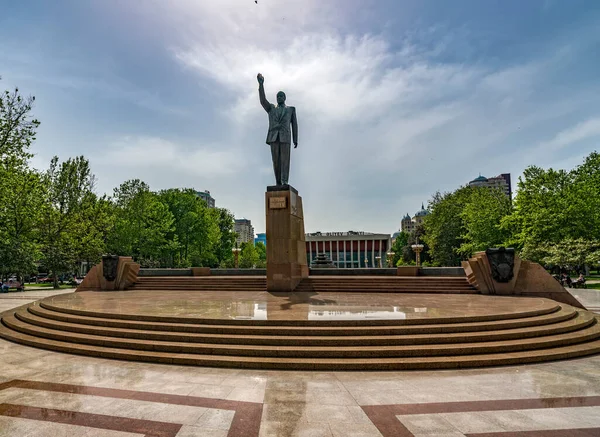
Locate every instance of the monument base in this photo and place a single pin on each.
(126, 276)
(528, 279)
(285, 187)
(286, 247)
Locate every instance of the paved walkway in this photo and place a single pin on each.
(45, 394)
(589, 297)
(14, 299)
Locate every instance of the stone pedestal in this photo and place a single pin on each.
(125, 276)
(407, 271)
(529, 279)
(286, 248)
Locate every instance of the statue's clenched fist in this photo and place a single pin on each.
(260, 78)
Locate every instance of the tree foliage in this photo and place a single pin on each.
(54, 220)
(554, 209)
(248, 256)
(261, 250)
(195, 229)
(142, 224)
(171, 228)
(482, 215)
(465, 221)
(568, 254)
(398, 247)
(17, 126)
(20, 212)
(68, 194)
(20, 187)
(226, 241)
(444, 226)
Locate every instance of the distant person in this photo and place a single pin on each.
(579, 280)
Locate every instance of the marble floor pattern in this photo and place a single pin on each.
(44, 393)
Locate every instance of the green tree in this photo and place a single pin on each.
(96, 225)
(482, 215)
(555, 207)
(261, 250)
(68, 189)
(20, 211)
(541, 210)
(226, 235)
(248, 256)
(586, 197)
(398, 247)
(17, 127)
(444, 226)
(142, 224)
(571, 254)
(20, 187)
(194, 228)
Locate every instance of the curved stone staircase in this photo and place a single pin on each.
(551, 331)
(363, 284)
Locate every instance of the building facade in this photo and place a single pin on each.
(349, 249)
(205, 195)
(244, 230)
(409, 224)
(501, 181)
(261, 238)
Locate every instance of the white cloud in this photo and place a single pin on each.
(580, 132)
(383, 123)
(329, 77)
(164, 156)
(372, 115)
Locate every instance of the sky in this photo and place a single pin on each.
(396, 99)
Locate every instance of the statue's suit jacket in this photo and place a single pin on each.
(280, 119)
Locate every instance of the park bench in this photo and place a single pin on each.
(6, 286)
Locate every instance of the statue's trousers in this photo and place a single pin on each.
(280, 152)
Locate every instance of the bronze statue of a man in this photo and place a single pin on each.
(279, 136)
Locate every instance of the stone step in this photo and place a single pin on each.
(585, 334)
(312, 279)
(548, 307)
(392, 289)
(383, 284)
(576, 323)
(216, 328)
(312, 284)
(316, 289)
(192, 287)
(301, 363)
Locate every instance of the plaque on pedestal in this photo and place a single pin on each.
(286, 247)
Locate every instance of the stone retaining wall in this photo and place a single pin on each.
(423, 271)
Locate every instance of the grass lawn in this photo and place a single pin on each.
(48, 285)
(596, 286)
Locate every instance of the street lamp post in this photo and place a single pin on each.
(390, 258)
(378, 260)
(366, 262)
(417, 249)
(236, 252)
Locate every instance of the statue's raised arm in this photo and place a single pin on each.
(261, 93)
(279, 135)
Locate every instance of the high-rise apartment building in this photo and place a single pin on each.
(244, 230)
(261, 238)
(501, 181)
(205, 195)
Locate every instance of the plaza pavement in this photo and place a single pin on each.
(45, 394)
